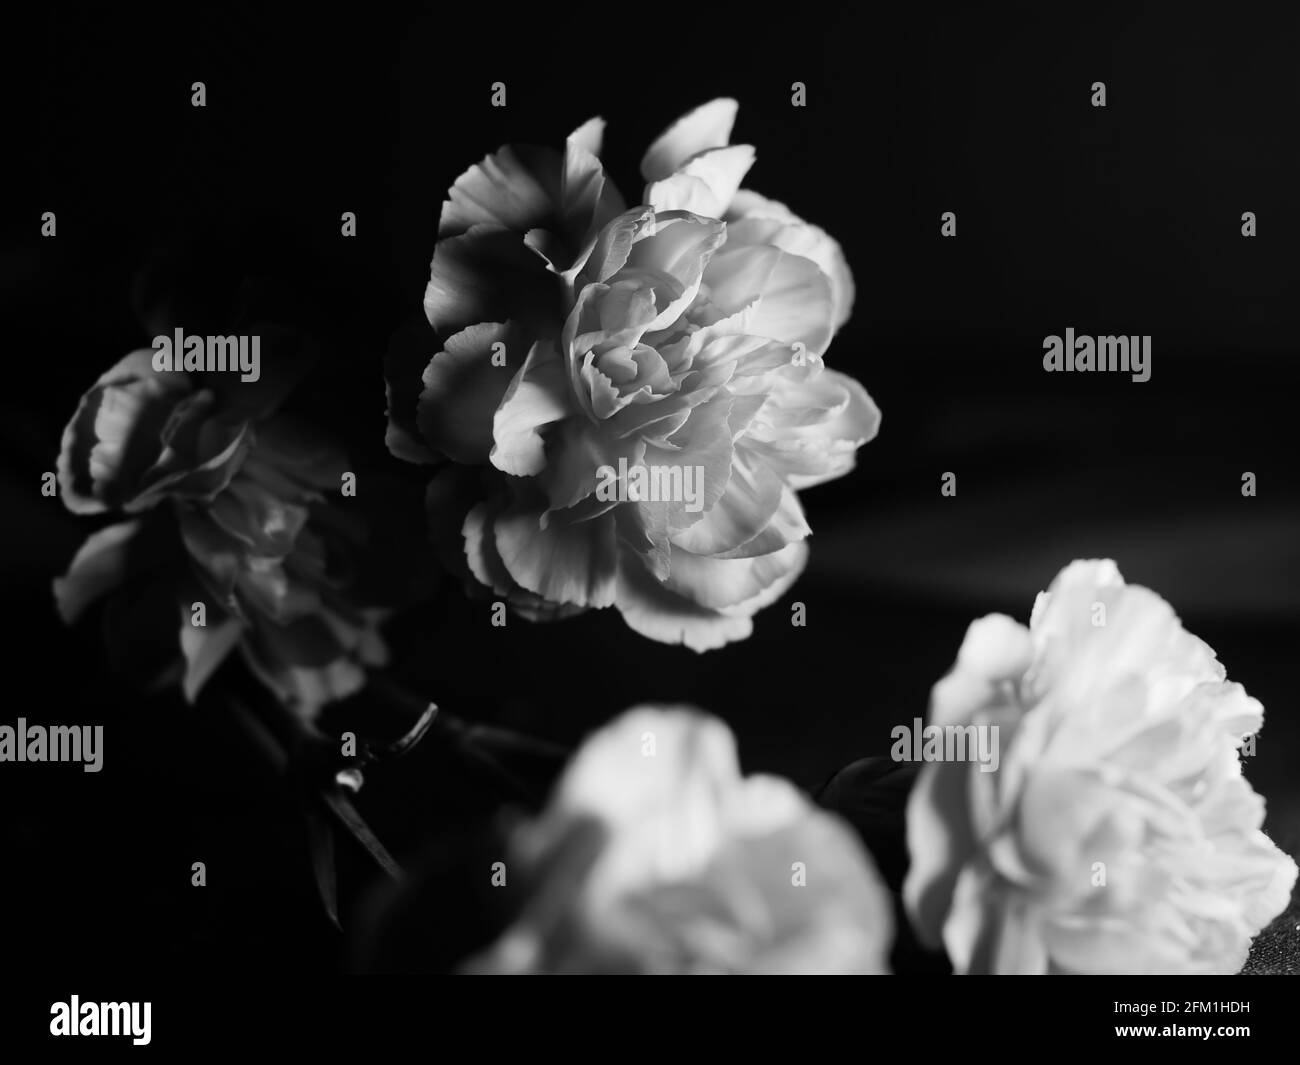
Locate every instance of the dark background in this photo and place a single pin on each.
(1117, 220)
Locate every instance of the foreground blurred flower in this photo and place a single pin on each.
(656, 856)
(1118, 835)
(246, 529)
(588, 349)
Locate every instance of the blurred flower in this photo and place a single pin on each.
(138, 436)
(656, 856)
(1118, 835)
(588, 348)
(245, 527)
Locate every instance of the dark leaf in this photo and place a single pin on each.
(320, 836)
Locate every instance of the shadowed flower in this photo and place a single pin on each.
(650, 381)
(1118, 834)
(656, 856)
(138, 436)
(233, 513)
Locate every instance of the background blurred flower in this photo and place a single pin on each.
(656, 856)
(685, 334)
(138, 436)
(246, 526)
(1119, 834)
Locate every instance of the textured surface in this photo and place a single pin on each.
(1277, 950)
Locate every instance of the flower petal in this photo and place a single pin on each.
(537, 396)
(787, 526)
(813, 453)
(656, 612)
(205, 647)
(614, 244)
(463, 387)
(588, 198)
(409, 351)
(794, 296)
(580, 451)
(99, 566)
(708, 126)
(753, 219)
(744, 510)
(742, 585)
(488, 275)
(113, 436)
(562, 563)
(612, 780)
(517, 188)
(706, 184)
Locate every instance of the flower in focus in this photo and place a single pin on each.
(1118, 834)
(655, 855)
(231, 510)
(649, 381)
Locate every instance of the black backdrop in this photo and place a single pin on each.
(1117, 220)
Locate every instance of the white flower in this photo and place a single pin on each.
(682, 338)
(231, 505)
(656, 856)
(1118, 835)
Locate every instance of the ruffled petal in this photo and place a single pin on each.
(656, 612)
(464, 386)
(517, 188)
(614, 244)
(825, 446)
(575, 564)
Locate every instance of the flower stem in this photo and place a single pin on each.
(476, 744)
(271, 742)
